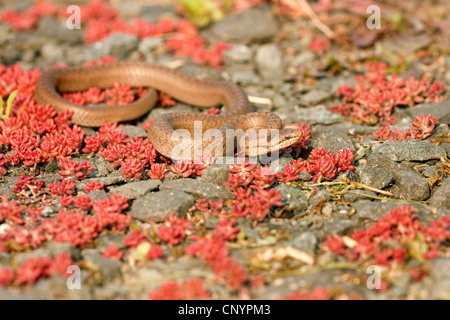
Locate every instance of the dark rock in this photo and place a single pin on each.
(441, 197)
(294, 198)
(376, 177)
(409, 150)
(333, 141)
(197, 188)
(158, 206)
(253, 25)
(137, 189)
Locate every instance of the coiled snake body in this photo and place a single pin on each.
(179, 136)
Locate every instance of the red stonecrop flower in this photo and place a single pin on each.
(174, 230)
(183, 169)
(390, 239)
(421, 128)
(225, 230)
(132, 168)
(74, 169)
(94, 185)
(190, 289)
(376, 94)
(113, 252)
(158, 171)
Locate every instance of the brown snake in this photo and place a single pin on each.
(238, 113)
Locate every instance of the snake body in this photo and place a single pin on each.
(174, 135)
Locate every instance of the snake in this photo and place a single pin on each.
(176, 135)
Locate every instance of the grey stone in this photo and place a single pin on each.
(333, 141)
(376, 177)
(197, 188)
(269, 61)
(239, 53)
(153, 13)
(245, 77)
(278, 165)
(340, 226)
(52, 52)
(56, 248)
(211, 222)
(133, 131)
(217, 174)
(51, 166)
(253, 25)
(56, 29)
(303, 58)
(374, 210)
(97, 194)
(109, 269)
(321, 195)
(21, 257)
(103, 167)
(158, 206)
(318, 114)
(428, 171)
(117, 44)
(441, 197)
(294, 198)
(354, 195)
(306, 242)
(137, 189)
(5, 259)
(113, 179)
(147, 44)
(440, 110)
(438, 272)
(409, 150)
(314, 97)
(106, 240)
(411, 184)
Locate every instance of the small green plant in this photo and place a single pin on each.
(9, 103)
(203, 12)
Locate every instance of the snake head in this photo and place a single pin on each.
(271, 141)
